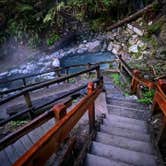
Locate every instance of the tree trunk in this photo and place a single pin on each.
(132, 17)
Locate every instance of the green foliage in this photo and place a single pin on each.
(52, 39)
(147, 96)
(17, 123)
(97, 24)
(116, 78)
(154, 28)
(24, 7)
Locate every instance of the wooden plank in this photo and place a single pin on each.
(48, 125)
(11, 154)
(36, 134)
(26, 142)
(4, 159)
(19, 148)
(50, 142)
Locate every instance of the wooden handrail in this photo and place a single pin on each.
(48, 83)
(159, 99)
(73, 91)
(41, 119)
(40, 152)
(49, 71)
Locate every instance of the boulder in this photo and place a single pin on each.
(109, 36)
(110, 46)
(133, 49)
(94, 46)
(116, 49)
(82, 50)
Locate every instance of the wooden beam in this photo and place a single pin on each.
(50, 142)
(132, 17)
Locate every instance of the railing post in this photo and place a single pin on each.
(59, 111)
(162, 134)
(98, 72)
(67, 73)
(155, 106)
(29, 103)
(119, 63)
(24, 81)
(134, 82)
(88, 67)
(162, 84)
(57, 71)
(91, 109)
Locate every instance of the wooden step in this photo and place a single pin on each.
(94, 160)
(129, 113)
(126, 133)
(125, 143)
(134, 127)
(117, 118)
(126, 103)
(123, 155)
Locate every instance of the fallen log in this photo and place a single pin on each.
(132, 17)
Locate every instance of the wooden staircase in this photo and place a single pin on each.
(124, 138)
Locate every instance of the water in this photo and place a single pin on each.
(87, 58)
(65, 61)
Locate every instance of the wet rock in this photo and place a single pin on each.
(4, 74)
(135, 30)
(104, 48)
(110, 36)
(116, 49)
(133, 49)
(110, 46)
(94, 46)
(132, 97)
(82, 50)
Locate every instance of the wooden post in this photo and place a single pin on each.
(119, 63)
(162, 135)
(162, 84)
(67, 73)
(24, 82)
(101, 83)
(59, 111)
(88, 67)
(98, 72)
(134, 82)
(91, 109)
(29, 103)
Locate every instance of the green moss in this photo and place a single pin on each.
(147, 96)
(52, 39)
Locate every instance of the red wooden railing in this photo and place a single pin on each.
(41, 151)
(159, 100)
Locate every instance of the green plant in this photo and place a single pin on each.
(17, 123)
(154, 28)
(116, 78)
(52, 39)
(147, 96)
